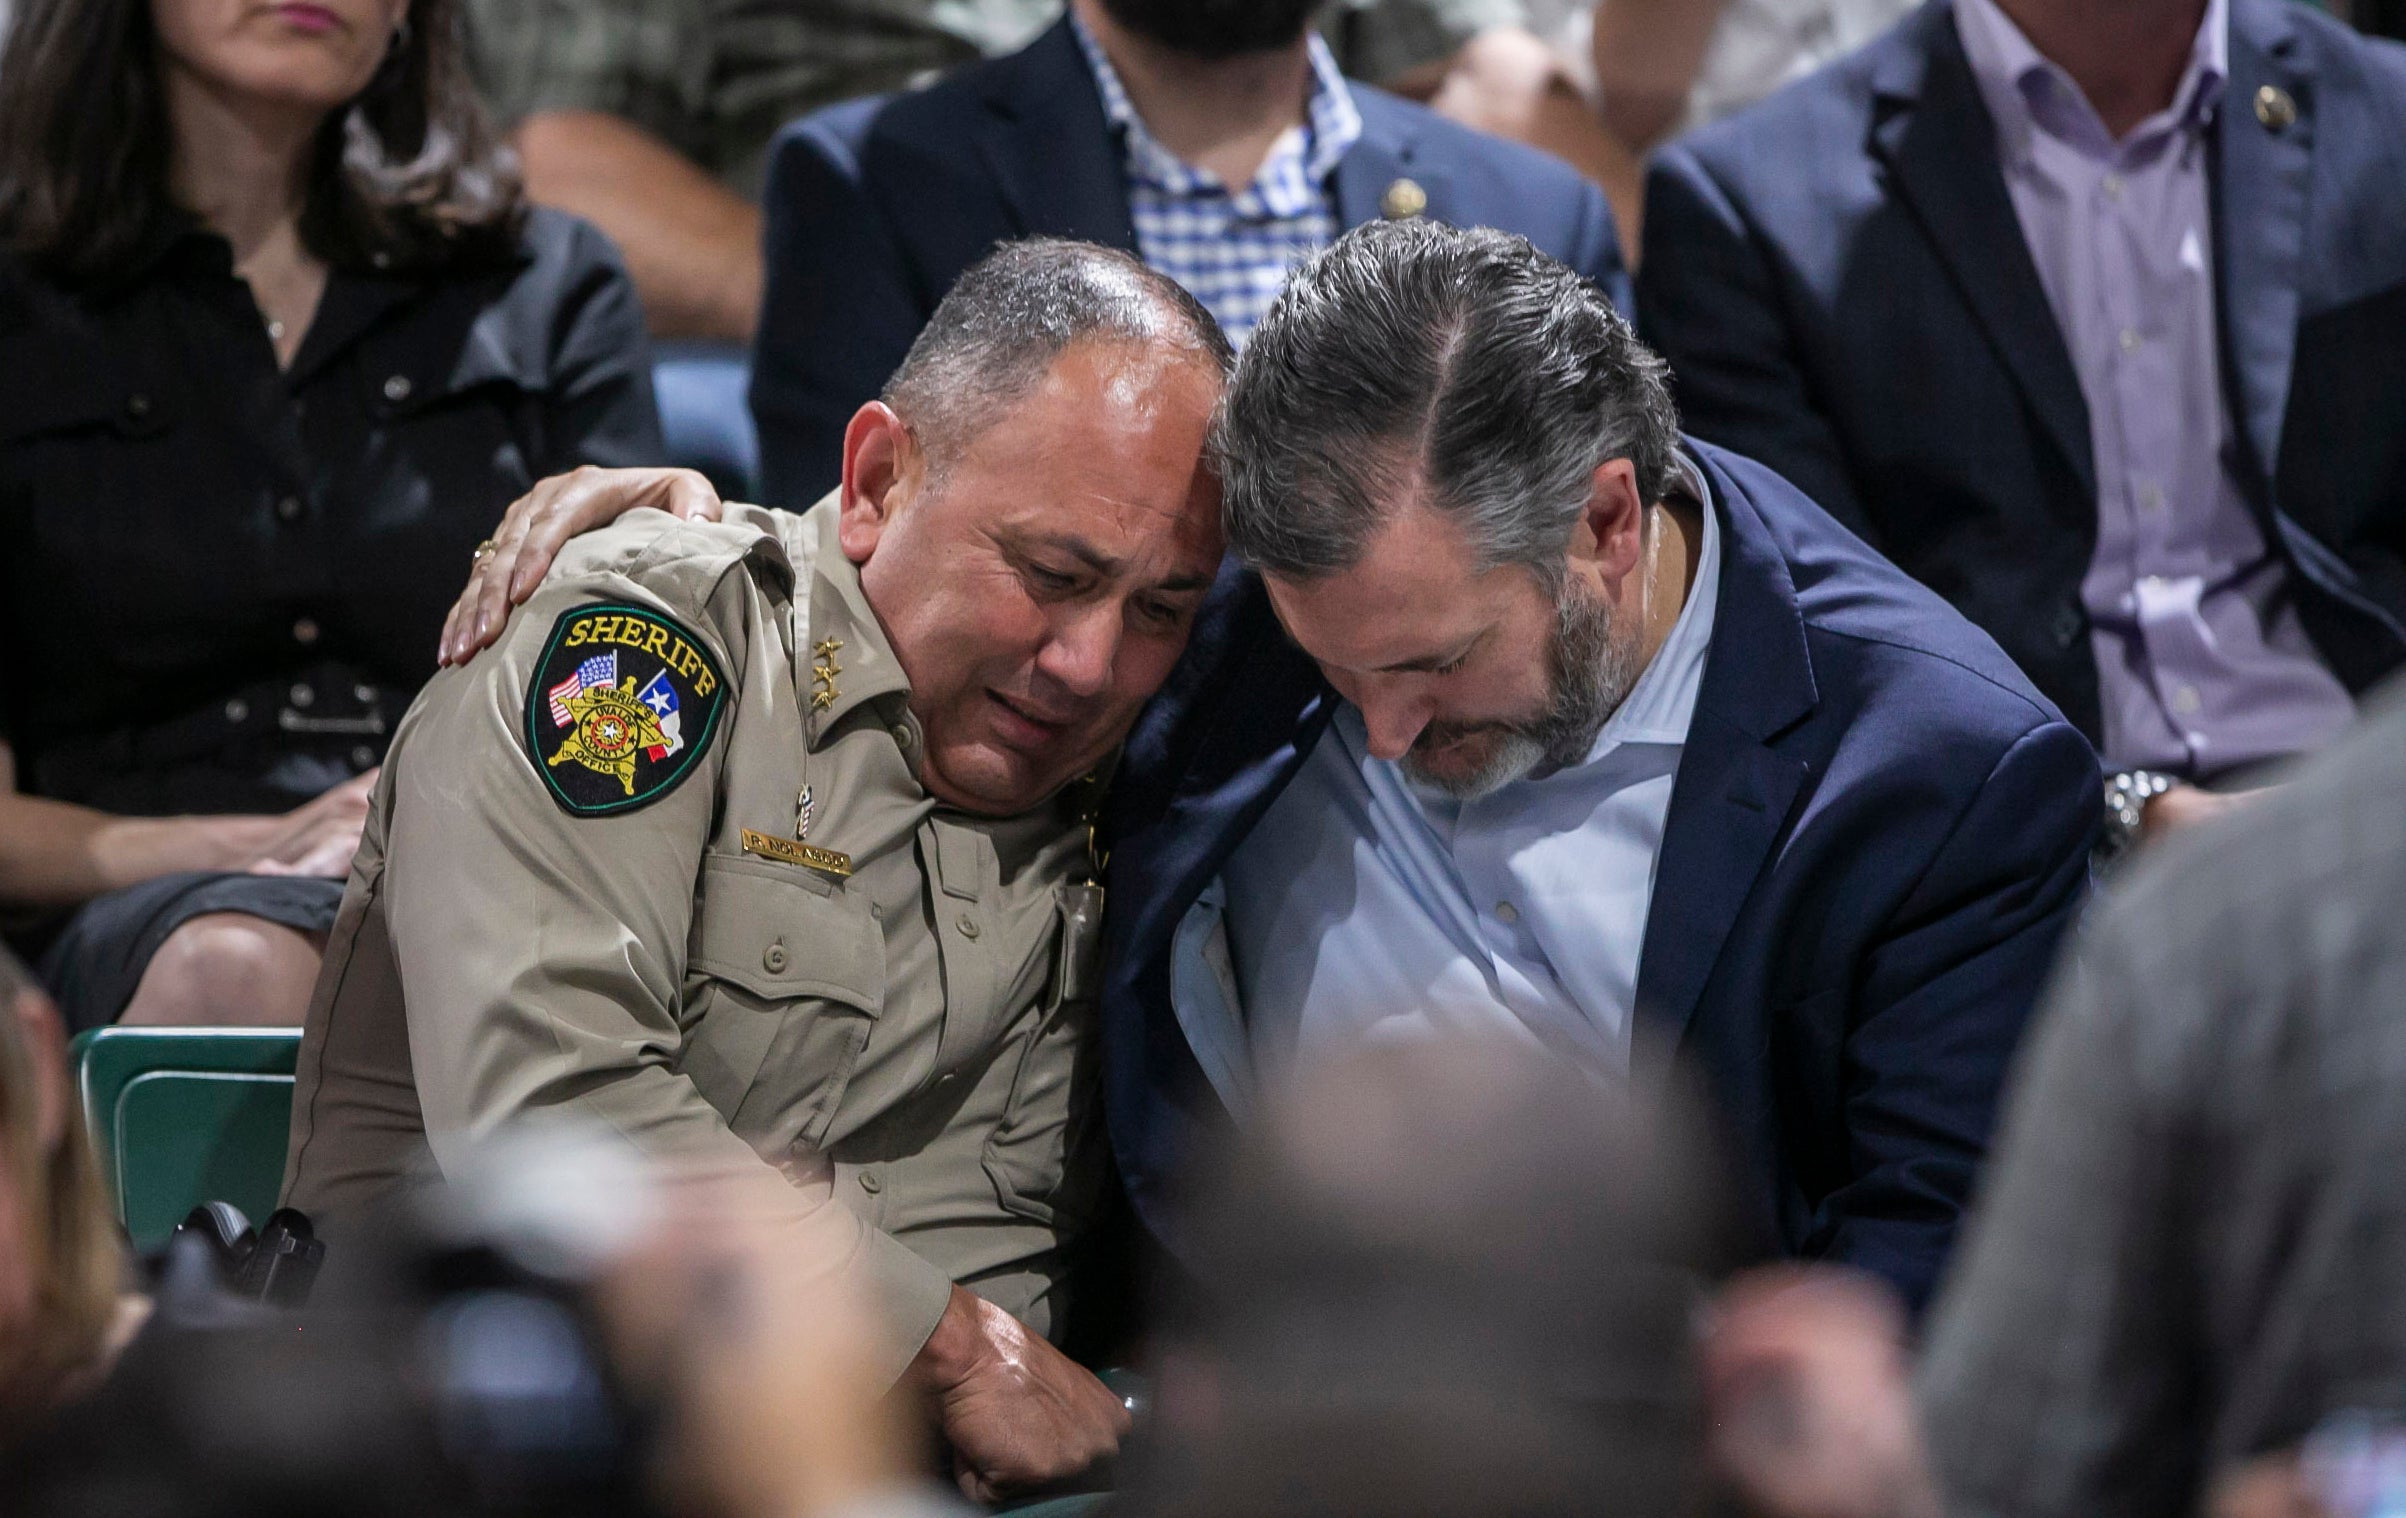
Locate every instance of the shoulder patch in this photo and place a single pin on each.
(622, 706)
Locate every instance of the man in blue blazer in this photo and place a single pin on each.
(1614, 742)
(875, 207)
(2093, 318)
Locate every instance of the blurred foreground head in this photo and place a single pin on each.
(61, 1265)
(1446, 1279)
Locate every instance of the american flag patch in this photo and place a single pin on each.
(601, 669)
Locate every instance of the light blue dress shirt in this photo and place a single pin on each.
(1367, 909)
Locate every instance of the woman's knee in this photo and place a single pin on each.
(227, 969)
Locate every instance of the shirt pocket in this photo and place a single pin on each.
(794, 976)
(1046, 1156)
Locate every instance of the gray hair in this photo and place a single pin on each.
(1464, 362)
(1016, 311)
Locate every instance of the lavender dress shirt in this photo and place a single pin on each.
(2203, 665)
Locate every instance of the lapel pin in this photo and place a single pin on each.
(2275, 109)
(1404, 200)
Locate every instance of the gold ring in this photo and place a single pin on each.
(484, 551)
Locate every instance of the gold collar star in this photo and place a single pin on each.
(823, 674)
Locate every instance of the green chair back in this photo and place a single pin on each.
(182, 1116)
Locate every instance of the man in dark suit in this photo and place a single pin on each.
(1615, 744)
(2093, 318)
(1217, 142)
(2192, 1247)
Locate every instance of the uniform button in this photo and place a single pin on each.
(137, 405)
(2131, 339)
(773, 959)
(363, 758)
(2151, 497)
(289, 508)
(363, 694)
(902, 734)
(303, 697)
(2068, 622)
(397, 388)
(968, 926)
(1506, 912)
(870, 1183)
(304, 632)
(238, 710)
(948, 1077)
(2111, 184)
(2185, 700)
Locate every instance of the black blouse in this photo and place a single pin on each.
(222, 582)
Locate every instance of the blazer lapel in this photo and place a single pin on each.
(1938, 140)
(1052, 151)
(1730, 799)
(2260, 179)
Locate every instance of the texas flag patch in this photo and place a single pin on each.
(661, 697)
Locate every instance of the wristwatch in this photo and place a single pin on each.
(2126, 798)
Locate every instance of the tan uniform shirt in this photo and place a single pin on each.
(914, 1041)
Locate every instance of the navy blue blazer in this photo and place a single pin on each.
(1877, 834)
(876, 206)
(1839, 280)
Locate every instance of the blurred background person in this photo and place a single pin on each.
(65, 1305)
(2192, 1245)
(1666, 66)
(2085, 314)
(1220, 143)
(1398, 1310)
(1397, 1313)
(566, 1329)
(655, 119)
(282, 345)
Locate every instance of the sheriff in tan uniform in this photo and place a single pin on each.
(662, 856)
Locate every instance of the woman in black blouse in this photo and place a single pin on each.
(278, 343)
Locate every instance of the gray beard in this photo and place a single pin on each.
(1590, 671)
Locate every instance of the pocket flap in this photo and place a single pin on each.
(764, 928)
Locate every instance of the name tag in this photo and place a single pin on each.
(790, 851)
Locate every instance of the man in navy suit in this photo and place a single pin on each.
(2093, 318)
(1218, 142)
(1616, 745)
